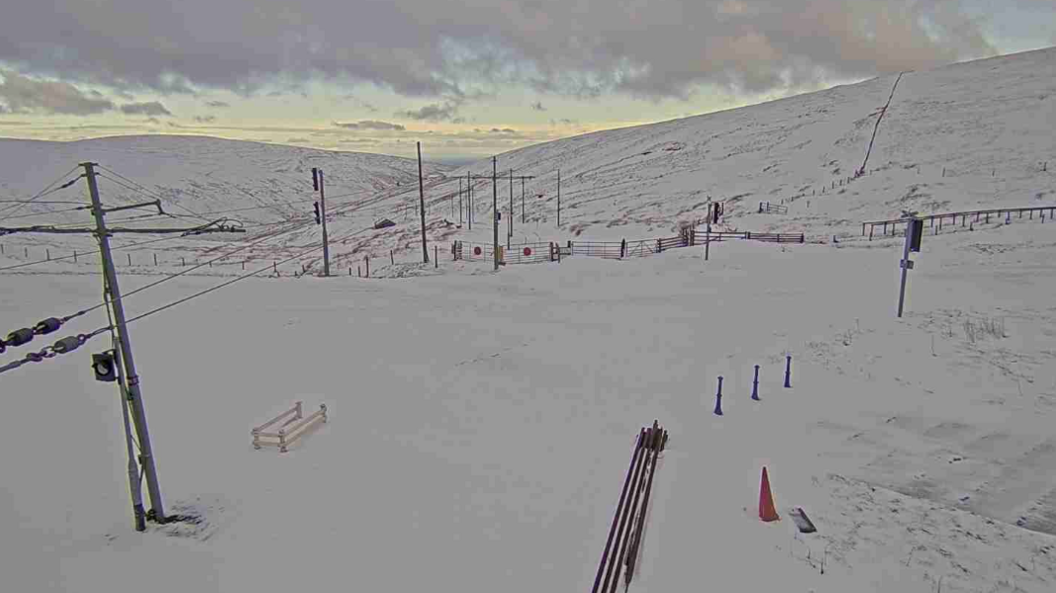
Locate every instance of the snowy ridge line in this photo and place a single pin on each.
(980, 216)
(630, 515)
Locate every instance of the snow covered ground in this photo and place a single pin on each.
(480, 424)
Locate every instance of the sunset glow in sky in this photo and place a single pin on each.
(468, 78)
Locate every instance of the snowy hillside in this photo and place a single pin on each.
(480, 424)
(980, 121)
(266, 187)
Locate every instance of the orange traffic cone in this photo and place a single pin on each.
(766, 500)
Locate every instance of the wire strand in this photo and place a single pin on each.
(47, 190)
(151, 193)
(236, 279)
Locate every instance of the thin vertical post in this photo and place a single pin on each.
(509, 233)
(421, 198)
(718, 399)
(559, 198)
(755, 384)
(905, 271)
(495, 209)
(788, 371)
(522, 200)
(459, 201)
(135, 394)
(322, 219)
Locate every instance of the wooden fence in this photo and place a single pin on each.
(295, 426)
(964, 217)
(768, 208)
(544, 252)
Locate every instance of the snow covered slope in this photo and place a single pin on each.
(987, 123)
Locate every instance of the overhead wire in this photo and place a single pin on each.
(151, 193)
(236, 279)
(44, 192)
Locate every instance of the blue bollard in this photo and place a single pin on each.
(718, 399)
(755, 385)
(788, 371)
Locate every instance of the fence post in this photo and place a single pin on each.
(366, 258)
(755, 384)
(74, 257)
(623, 248)
(802, 238)
(659, 246)
(788, 371)
(718, 399)
(436, 259)
(48, 254)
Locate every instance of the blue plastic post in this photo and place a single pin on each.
(755, 384)
(788, 371)
(718, 399)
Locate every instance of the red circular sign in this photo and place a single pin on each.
(476, 251)
(527, 250)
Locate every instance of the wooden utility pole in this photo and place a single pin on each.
(495, 208)
(322, 219)
(559, 198)
(522, 200)
(460, 202)
(469, 200)
(509, 233)
(421, 198)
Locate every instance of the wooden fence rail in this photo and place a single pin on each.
(952, 218)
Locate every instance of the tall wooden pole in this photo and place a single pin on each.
(322, 218)
(459, 201)
(509, 234)
(421, 198)
(469, 199)
(522, 200)
(135, 394)
(495, 208)
(559, 198)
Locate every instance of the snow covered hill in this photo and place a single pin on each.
(964, 136)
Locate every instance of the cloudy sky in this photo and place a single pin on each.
(467, 77)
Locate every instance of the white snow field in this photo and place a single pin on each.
(480, 424)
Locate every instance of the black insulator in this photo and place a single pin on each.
(47, 326)
(66, 345)
(19, 337)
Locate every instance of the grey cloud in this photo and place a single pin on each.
(538, 106)
(149, 108)
(205, 119)
(446, 111)
(369, 124)
(23, 95)
(217, 104)
(583, 49)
